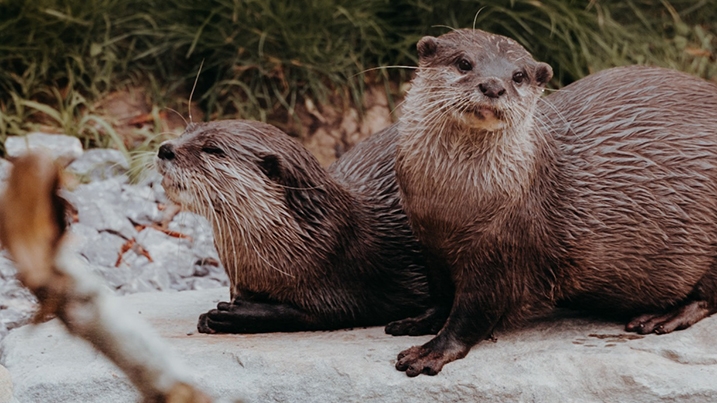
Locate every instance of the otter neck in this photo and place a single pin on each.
(254, 252)
(501, 163)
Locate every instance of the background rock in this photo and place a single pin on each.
(99, 164)
(17, 304)
(64, 149)
(561, 358)
(5, 167)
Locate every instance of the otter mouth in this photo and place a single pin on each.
(485, 112)
(483, 117)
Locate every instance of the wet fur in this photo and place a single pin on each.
(601, 196)
(304, 248)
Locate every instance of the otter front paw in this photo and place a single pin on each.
(430, 358)
(421, 360)
(430, 322)
(217, 320)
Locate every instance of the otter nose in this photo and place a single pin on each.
(491, 89)
(165, 152)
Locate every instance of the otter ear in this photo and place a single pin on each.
(271, 167)
(427, 47)
(543, 73)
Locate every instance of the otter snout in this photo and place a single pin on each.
(166, 152)
(491, 88)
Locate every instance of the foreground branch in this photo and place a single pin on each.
(32, 228)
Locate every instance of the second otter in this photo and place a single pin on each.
(304, 249)
(601, 196)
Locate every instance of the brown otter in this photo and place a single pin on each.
(305, 249)
(601, 196)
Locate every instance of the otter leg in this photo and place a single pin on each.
(242, 316)
(441, 291)
(701, 303)
(465, 327)
(429, 322)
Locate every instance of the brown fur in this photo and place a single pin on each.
(601, 196)
(304, 248)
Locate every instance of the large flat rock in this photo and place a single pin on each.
(561, 358)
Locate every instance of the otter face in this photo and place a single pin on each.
(477, 80)
(227, 171)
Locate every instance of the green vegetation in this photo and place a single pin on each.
(58, 58)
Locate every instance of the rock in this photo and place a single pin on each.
(139, 204)
(17, 304)
(7, 268)
(98, 206)
(64, 149)
(564, 357)
(168, 252)
(99, 248)
(199, 283)
(200, 231)
(99, 164)
(6, 395)
(5, 167)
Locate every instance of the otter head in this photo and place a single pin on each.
(257, 187)
(228, 167)
(476, 80)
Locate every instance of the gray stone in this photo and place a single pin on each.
(200, 231)
(115, 277)
(98, 206)
(137, 285)
(152, 179)
(135, 265)
(64, 149)
(7, 267)
(4, 331)
(156, 275)
(17, 314)
(99, 164)
(198, 283)
(139, 204)
(17, 304)
(170, 253)
(99, 248)
(560, 358)
(5, 168)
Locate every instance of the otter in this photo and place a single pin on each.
(601, 196)
(304, 248)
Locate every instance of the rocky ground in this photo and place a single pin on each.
(129, 234)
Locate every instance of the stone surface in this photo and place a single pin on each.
(17, 304)
(99, 164)
(5, 167)
(64, 149)
(6, 393)
(561, 358)
(97, 204)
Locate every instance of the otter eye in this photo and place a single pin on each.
(213, 151)
(518, 77)
(464, 65)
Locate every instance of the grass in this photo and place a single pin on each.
(262, 58)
